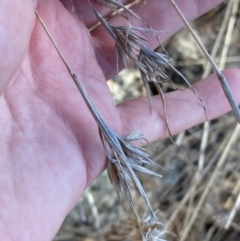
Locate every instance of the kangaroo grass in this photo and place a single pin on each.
(123, 159)
(129, 45)
(127, 41)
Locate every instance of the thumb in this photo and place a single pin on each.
(16, 23)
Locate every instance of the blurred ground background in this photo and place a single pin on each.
(198, 198)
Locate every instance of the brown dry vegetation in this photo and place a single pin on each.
(198, 197)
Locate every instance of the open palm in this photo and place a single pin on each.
(49, 143)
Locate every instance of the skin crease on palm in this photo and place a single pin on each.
(49, 143)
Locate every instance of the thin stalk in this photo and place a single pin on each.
(96, 115)
(218, 72)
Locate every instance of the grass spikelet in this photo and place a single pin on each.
(127, 42)
(154, 71)
(153, 68)
(121, 171)
(117, 7)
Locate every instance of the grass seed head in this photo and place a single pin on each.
(127, 42)
(121, 171)
(154, 68)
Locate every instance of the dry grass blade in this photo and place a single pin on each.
(207, 189)
(126, 157)
(229, 33)
(233, 213)
(95, 214)
(197, 182)
(219, 37)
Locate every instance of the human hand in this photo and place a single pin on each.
(50, 148)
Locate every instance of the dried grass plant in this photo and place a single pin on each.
(124, 158)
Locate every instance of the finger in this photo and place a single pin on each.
(160, 15)
(16, 24)
(184, 109)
